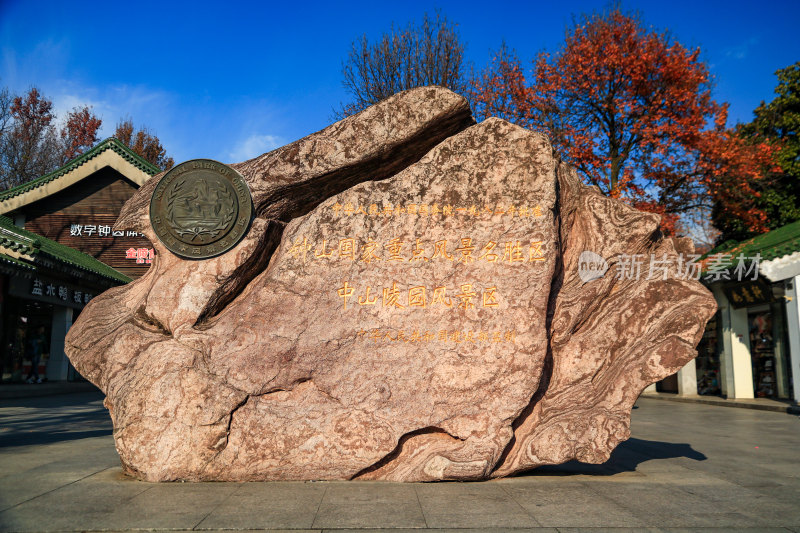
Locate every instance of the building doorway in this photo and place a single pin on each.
(26, 323)
(709, 351)
(769, 351)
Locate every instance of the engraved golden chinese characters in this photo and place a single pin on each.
(468, 292)
(464, 296)
(436, 209)
(464, 250)
(424, 336)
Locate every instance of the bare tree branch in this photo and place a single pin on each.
(426, 54)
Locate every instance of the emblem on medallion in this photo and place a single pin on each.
(201, 208)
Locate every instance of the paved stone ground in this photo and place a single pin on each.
(688, 467)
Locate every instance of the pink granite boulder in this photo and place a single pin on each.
(406, 305)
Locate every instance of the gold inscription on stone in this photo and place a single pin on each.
(436, 209)
(464, 296)
(421, 335)
(465, 250)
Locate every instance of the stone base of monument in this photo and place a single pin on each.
(417, 298)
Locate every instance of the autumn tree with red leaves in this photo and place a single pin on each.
(632, 110)
(29, 146)
(79, 133)
(30, 143)
(144, 143)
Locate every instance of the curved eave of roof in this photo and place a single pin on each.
(111, 152)
(15, 262)
(17, 244)
(103, 271)
(781, 268)
(777, 247)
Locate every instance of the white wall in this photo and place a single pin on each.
(793, 325)
(58, 364)
(687, 379)
(735, 363)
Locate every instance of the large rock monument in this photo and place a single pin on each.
(409, 301)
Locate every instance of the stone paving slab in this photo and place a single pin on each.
(369, 505)
(687, 468)
(522, 530)
(267, 506)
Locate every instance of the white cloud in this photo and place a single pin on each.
(223, 127)
(151, 108)
(187, 129)
(45, 61)
(145, 106)
(741, 50)
(254, 146)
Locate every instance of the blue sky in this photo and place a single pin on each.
(229, 82)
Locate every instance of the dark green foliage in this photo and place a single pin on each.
(777, 122)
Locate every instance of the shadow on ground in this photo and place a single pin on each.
(625, 458)
(47, 420)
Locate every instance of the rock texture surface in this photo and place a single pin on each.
(406, 306)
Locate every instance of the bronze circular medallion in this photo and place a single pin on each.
(201, 208)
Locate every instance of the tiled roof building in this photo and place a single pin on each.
(751, 348)
(58, 250)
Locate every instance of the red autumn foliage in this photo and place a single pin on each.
(80, 132)
(33, 113)
(632, 111)
(29, 144)
(144, 143)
